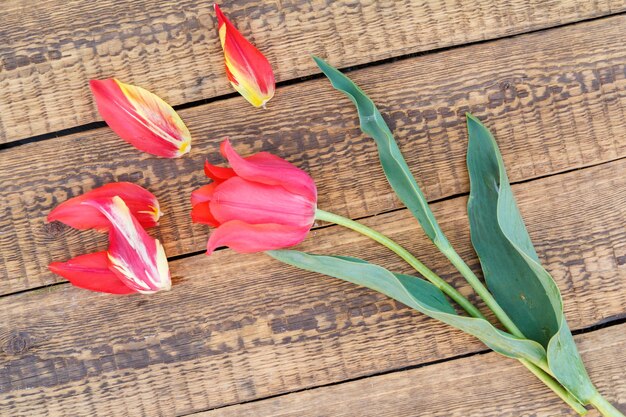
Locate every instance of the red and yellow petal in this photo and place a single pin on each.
(248, 70)
(136, 258)
(91, 272)
(141, 202)
(141, 118)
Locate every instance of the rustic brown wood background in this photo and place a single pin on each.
(241, 335)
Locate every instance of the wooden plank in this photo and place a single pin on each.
(52, 48)
(557, 107)
(240, 327)
(478, 386)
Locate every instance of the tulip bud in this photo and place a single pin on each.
(261, 203)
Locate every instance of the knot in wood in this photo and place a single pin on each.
(15, 342)
(55, 229)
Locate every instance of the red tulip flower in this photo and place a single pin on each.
(249, 72)
(261, 203)
(141, 118)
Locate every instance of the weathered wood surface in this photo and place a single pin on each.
(556, 107)
(470, 387)
(241, 327)
(50, 49)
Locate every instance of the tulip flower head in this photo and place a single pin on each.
(141, 118)
(249, 72)
(261, 203)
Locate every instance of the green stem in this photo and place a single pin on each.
(451, 292)
(481, 290)
(555, 386)
(435, 279)
(605, 407)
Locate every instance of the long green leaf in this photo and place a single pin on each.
(391, 159)
(514, 275)
(415, 293)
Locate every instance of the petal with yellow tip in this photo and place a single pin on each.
(141, 118)
(136, 258)
(248, 70)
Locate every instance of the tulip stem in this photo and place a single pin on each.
(435, 279)
(604, 407)
(450, 291)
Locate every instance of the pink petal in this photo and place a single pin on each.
(142, 204)
(256, 203)
(141, 118)
(91, 272)
(248, 238)
(272, 170)
(136, 258)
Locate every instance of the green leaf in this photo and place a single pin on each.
(415, 293)
(521, 286)
(391, 159)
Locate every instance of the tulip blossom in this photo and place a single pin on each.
(249, 72)
(261, 203)
(141, 202)
(91, 272)
(141, 118)
(137, 259)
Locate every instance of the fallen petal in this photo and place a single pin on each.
(248, 70)
(141, 118)
(135, 257)
(91, 272)
(141, 202)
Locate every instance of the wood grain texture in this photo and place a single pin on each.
(478, 386)
(557, 107)
(240, 327)
(51, 48)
